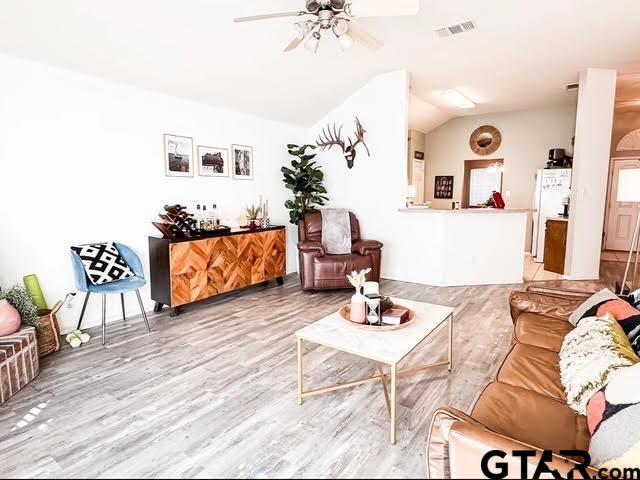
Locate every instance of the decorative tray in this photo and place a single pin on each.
(345, 314)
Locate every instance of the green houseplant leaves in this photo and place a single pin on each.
(305, 180)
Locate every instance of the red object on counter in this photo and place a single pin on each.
(498, 201)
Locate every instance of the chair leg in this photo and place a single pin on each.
(84, 307)
(124, 315)
(104, 319)
(144, 314)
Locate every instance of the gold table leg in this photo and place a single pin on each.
(300, 385)
(393, 404)
(450, 359)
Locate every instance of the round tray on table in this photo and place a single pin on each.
(345, 314)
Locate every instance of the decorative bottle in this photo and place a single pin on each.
(358, 309)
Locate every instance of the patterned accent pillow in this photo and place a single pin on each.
(103, 263)
(590, 306)
(613, 415)
(590, 353)
(627, 316)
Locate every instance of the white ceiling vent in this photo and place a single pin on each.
(455, 29)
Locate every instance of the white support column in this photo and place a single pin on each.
(594, 124)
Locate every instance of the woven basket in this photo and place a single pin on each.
(48, 331)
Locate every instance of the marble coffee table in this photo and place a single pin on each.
(384, 348)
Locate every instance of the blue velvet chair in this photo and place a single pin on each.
(121, 286)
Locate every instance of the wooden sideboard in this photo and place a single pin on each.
(187, 271)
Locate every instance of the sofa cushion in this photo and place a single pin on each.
(330, 267)
(627, 316)
(531, 418)
(533, 368)
(540, 331)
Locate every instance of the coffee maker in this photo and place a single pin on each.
(558, 159)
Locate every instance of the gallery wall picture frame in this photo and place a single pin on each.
(213, 161)
(178, 156)
(443, 187)
(242, 162)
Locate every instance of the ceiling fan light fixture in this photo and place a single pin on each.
(313, 42)
(345, 41)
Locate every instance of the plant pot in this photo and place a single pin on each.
(253, 224)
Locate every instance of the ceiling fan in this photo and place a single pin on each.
(336, 16)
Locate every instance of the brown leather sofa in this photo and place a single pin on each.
(524, 408)
(320, 271)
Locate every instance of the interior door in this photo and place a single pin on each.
(622, 216)
(418, 179)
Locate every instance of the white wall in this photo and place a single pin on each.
(596, 102)
(527, 137)
(376, 186)
(81, 161)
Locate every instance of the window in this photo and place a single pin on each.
(481, 179)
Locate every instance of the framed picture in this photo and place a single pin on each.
(213, 162)
(178, 156)
(242, 158)
(443, 187)
(418, 155)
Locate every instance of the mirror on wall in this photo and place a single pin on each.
(485, 140)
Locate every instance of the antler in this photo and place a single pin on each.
(360, 131)
(330, 138)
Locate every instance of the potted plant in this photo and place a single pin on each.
(252, 215)
(305, 180)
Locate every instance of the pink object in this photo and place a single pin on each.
(358, 312)
(9, 319)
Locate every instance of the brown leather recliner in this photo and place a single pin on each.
(320, 271)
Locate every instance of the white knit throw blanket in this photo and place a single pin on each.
(336, 231)
(587, 358)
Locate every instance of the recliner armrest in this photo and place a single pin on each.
(311, 247)
(364, 247)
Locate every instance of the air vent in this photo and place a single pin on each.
(455, 29)
(572, 87)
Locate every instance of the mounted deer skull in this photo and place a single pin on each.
(332, 137)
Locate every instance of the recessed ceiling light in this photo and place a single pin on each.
(456, 99)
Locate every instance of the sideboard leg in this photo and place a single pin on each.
(175, 312)
(280, 280)
(157, 307)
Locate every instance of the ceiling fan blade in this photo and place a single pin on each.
(360, 35)
(269, 16)
(297, 41)
(382, 8)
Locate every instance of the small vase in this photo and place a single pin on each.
(358, 309)
(253, 225)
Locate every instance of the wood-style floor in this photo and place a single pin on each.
(212, 393)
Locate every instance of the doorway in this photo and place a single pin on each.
(621, 216)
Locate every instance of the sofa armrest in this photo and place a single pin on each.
(555, 306)
(561, 292)
(364, 247)
(469, 443)
(311, 247)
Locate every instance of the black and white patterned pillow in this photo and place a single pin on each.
(103, 263)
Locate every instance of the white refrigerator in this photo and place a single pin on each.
(552, 186)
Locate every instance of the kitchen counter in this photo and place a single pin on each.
(558, 219)
(476, 246)
(468, 210)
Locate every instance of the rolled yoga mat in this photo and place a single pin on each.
(32, 285)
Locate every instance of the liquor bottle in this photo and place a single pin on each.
(204, 223)
(215, 221)
(198, 216)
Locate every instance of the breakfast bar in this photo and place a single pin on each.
(477, 246)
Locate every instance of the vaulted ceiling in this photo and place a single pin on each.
(522, 54)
